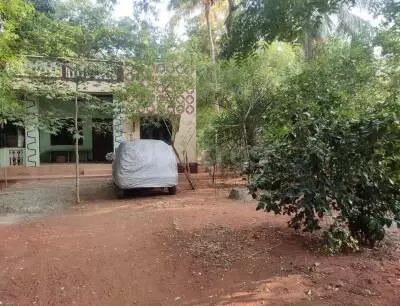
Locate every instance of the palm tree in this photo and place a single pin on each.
(186, 7)
(344, 24)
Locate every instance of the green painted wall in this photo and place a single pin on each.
(46, 147)
(67, 109)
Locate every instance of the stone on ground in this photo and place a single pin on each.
(240, 193)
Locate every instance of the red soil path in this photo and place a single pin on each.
(195, 248)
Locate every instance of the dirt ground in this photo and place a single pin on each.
(195, 248)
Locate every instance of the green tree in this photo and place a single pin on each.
(347, 25)
(10, 106)
(332, 147)
(188, 7)
(389, 42)
(245, 92)
(44, 6)
(12, 14)
(269, 20)
(100, 35)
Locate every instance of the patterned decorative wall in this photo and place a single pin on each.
(185, 140)
(185, 107)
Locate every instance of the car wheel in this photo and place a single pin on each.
(120, 193)
(172, 190)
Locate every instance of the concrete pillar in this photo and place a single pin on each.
(32, 150)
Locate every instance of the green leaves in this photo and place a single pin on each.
(338, 239)
(270, 20)
(349, 175)
(331, 144)
(246, 93)
(13, 13)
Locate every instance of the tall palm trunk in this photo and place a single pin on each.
(210, 34)
(207, 7)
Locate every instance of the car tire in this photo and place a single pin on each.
(172, 190)
(120, 193)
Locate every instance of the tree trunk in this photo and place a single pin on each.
(207, 7)
(246, 144)
(77, 135)
(210, 34)
(184, 168)
(187, 173)
(308, 46)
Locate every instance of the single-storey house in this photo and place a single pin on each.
(31, 146)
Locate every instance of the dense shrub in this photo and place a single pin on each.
(322, 142)
(336, 164)
(244, 93)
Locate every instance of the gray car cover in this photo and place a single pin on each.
(145, 163)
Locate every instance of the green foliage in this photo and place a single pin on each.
(270, 20)
(13, 13)
(389, 9)
(44, 6)
(40, 35)
(331, 145)
(341, 79)
(389, 41)
(244, 95)
(338, 239)
(98, 35)
(70, 29)
(323, 165)
(28, 31)
(10, 106)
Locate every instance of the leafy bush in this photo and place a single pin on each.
(336, 164)
(339, 239)
(244, 94)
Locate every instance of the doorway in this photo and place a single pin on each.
(102, 139)
(156, 128)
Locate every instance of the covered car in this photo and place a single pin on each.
(144, 163)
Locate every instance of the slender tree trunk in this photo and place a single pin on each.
(77, 135)
(308, 46)
(207, 7)
(184, 168)
(246, 144)
(210, 34)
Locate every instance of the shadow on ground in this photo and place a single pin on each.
(269, 265)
